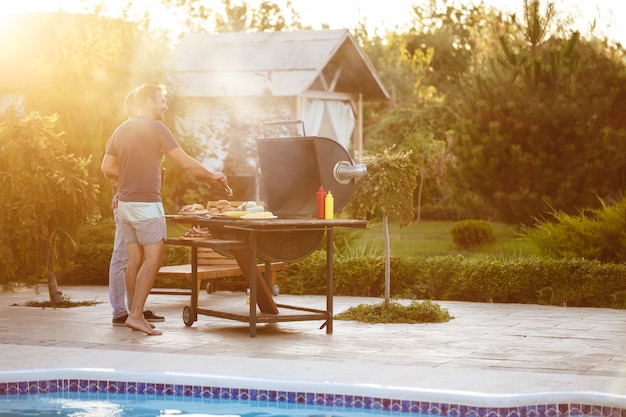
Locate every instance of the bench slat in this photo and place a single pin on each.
(213, 266)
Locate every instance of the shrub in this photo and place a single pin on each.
(394, 312)
(89, 264)
(591, 234)
(468, 234)
(307, 276)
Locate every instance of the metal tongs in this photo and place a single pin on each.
(229, 191)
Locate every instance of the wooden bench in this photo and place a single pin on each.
(214, 267)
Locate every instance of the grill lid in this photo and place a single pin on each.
(294, 168)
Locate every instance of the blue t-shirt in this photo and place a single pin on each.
(139, 145)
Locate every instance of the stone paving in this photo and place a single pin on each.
(486, 348)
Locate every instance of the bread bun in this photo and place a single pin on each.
(190, 208)
(222, 204)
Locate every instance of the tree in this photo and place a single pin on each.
(236, 17)
(80, 67)
(386, 191)
(425, 69)
(46, 194)
(542, 125)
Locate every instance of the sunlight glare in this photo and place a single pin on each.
(605, 14)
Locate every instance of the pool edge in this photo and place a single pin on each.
(612, 404)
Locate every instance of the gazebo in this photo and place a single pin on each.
(321, 77)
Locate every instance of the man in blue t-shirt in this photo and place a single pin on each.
(133, 158)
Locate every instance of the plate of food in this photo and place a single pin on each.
(197, 232)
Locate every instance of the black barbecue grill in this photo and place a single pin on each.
(292, 170)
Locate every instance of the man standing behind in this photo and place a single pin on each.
(119, 258)
(134, 159)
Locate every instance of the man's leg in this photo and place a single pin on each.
(117, 273)
(146, 275)
(135, 259)
(145, 233)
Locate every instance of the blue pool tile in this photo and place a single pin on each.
(289, 398)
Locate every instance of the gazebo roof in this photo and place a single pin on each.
(275, 64)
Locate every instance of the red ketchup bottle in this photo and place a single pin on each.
(321, 201)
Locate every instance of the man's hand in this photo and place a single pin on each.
(220, 178)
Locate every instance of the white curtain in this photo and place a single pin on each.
(329, 116)
(342, 118)
(312, 113)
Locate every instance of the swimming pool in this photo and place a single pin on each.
(368, 398)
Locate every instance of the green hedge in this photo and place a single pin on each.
(565, 282)
(530, 280)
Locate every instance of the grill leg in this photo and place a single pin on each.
(329, 279)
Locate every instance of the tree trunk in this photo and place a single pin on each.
(419, 197)
(56, 296)
(387, 258)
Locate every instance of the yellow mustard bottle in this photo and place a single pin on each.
(329, 206)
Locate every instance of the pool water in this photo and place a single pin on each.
(108, 392)
(140, 405)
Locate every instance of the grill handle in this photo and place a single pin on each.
(282, 123)
(344, 171)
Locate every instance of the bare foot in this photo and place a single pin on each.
(143, 326)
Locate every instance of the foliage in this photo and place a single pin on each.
(80, 67)
(387, 187)
(235, 16)
(355, 248)
(591, 234)
(307, 276)
(543, 126)
(412, 130)
(66, 302)
(425, 68)
(468, 234)
(394, 312)
(462, 37)
(46, 194)
(525, 280)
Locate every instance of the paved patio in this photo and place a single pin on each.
(486, 348)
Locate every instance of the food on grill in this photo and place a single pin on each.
(220, 207)
(193, 208)
(250, 207)
(246, 205)
(197, 231)
(259, 215)
(235, 213)
(255, 209)
(221, 204)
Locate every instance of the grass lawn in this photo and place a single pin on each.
(433, 238)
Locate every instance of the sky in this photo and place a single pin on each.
(378, 14)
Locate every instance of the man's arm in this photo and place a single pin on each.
(110, 167)
(194, 167)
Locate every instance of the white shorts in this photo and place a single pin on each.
(142, 222)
